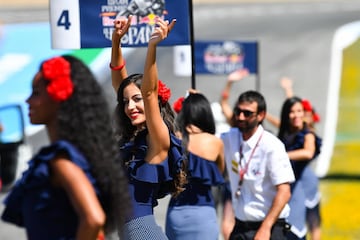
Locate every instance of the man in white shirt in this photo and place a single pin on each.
(260, 173)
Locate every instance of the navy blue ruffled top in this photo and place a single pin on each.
(45, 211)
(297, 143)
(149, 182)
(202, 175)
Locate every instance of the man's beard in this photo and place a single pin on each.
(246, 126)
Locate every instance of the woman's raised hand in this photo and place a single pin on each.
(238, 75)
(161, 31)
(121, 26)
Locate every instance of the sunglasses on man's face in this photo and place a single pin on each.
(247, 113)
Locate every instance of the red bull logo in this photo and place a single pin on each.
(144, 14)
(226, 57)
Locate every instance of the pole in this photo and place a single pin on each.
(257, 87)
(192, 45)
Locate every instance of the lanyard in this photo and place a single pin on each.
(242, 171)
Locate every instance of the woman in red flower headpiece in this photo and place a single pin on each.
(151, 152)
(302, 146)
(308, 179)
(74, 187)
(192, 214)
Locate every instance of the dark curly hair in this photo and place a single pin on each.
(126, 131)
(85, 121)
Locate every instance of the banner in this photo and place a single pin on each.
(89, 24)
(224, 57)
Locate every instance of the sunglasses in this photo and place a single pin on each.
(247, 113)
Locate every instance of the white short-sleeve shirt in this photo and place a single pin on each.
(269, 166)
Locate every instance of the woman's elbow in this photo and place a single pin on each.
(309, 155)
(95, 221)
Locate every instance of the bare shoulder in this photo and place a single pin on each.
(206, 138)
(205, 145)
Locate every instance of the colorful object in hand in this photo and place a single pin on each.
(164, 92)
(57, 71)
(178, 104)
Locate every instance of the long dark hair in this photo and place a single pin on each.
(196, 110)
(85, 121)
(284, 116)
(125, 129)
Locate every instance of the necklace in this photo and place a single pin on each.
(243, 170)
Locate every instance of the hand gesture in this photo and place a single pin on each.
(161, 31)
(286, 83)
(192, 91)
(238, 75)
(121, 26)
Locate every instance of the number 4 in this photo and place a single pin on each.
(64, 20)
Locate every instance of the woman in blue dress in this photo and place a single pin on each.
(152, 154)
(302, 146)
(73, 188)
(192, 214)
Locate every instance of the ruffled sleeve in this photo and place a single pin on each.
(152, 173)
(204, 171)
(35, 180)
(40, 170)
(176, 156)
(64, 147)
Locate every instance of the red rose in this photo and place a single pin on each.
(306, 105)
(163, 92)
(178, 104)
(316, 117)
(60, 89)
(57, 71)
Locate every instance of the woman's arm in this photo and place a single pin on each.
(307, 152)
(221, 158)
(117, 64)
(159, 139)
(272, 120)
(287, 84)
(72, 179)
(224, 100)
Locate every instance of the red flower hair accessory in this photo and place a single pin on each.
(164, 92)
(178, 104)
(57, 71)
(316, 117)
(307, 105)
